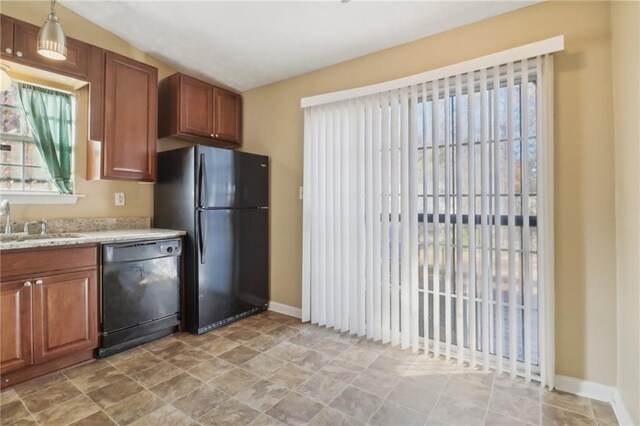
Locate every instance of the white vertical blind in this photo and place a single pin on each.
(330, 246)
(376, 218)
(460, 252)
(352, 184)
(395, 229)
(428, 217)
(511, 219)
(447, 219)
(405, 246)
(369, 218)
(435, 143)
(497, 215)
(471, 143)
(344, 214)
(361, 223)
(425, 229)
(484, 220)
(385, 252)
(413, 220)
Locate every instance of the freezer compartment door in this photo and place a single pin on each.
(233, 263)
(230, 179)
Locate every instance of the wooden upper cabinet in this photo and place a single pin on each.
(199, 112)
(6, 34)
(25, 39)
(196, 107)
(130, 119)
(15, 325)
(227, 106)
(65, 318)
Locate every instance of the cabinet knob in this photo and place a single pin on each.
(216, 136)
(212, 135)
(38, 282)
(27, 284)
(8, 50)
(19, 54)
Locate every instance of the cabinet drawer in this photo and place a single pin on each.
(34, 262)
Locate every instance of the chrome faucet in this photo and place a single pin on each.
(5, 210)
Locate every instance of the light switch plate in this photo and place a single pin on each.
(119, 198)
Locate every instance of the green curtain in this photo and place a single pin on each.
(49, 114)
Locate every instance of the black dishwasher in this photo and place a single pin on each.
(140, 295)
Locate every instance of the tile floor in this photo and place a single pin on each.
(271, 369)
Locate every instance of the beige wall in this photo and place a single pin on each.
(584, 202)
(99, 196)
(625, 42)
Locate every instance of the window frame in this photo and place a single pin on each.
(25, 197)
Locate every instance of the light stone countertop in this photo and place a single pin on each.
(76, 238)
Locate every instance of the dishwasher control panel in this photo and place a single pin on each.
(141, 250)
(171, 247)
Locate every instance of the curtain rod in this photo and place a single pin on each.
(538, 48)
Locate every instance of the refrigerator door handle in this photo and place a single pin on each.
(202, 236)
(202, 181)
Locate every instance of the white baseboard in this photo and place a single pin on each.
(623, 416)
(597, 391)
(585, 388)
(281, 308)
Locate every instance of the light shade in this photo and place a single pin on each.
(52, 43)
(5, 80)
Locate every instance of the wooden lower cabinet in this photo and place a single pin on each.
(15, 325)
(48, 320)
(64, 315)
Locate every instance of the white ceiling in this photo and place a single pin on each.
(248, 44)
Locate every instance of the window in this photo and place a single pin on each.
(458, 177)
(428, 214)
(36, 161)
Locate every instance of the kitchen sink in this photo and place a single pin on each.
(20, 237)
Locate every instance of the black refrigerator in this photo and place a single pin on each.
(221, 199)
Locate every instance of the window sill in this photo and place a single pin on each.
(39, 198)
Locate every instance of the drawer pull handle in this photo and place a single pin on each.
(27, 284)
(38, 282)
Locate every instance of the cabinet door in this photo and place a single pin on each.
(25, 37)
(130, 108)
(15, 325)
(6, 34)
(65, 314)
(196, 107)
(227, 115)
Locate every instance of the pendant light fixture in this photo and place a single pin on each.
(52, 43)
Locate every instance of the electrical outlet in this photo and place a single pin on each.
(119, 198)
